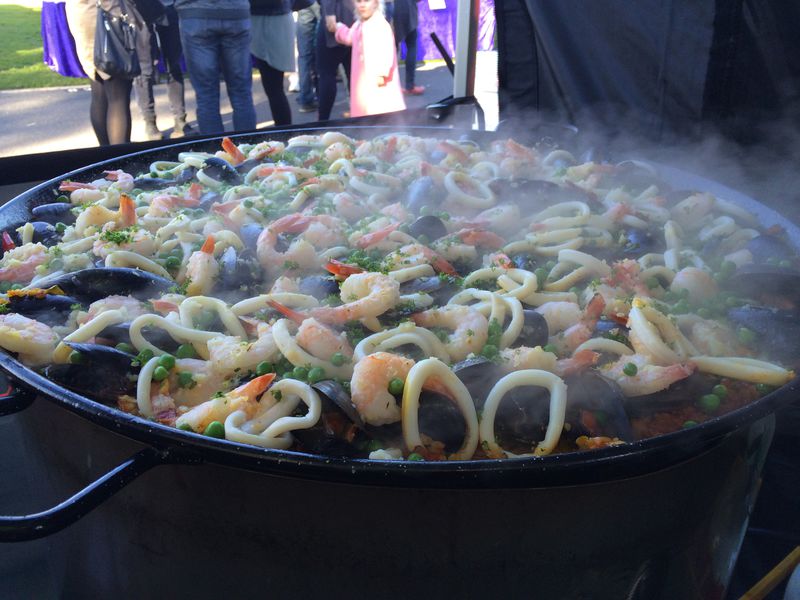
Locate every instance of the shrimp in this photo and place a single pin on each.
(322, 341)
(698, 283)
(504, 218)
(162, 205)
(369, 386)
(34, 341)
(470, 328)
(228, 354)
(324, 231)
(412, 255)
(122, 181)
(576, 325)
(19, 264)
(649, 378)
(349, 208)
(300, 252)
(84, 195)
(525, 357)
(245, 397)
(98, 216)
(130, 306)
(140, 241)
(365, 295)
(202, 269)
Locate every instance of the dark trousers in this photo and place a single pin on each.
(272, 80)
(411, 57)
(151, 43)
(328, 61)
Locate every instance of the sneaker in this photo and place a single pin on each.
(417, 90)
(181, 129)
(151, 131)
(307, 108)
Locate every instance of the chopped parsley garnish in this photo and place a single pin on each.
(119, 236)
(369, 261)
(495, 333)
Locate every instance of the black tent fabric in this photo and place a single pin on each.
(659, 69)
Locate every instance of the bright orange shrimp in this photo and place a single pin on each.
(341, 269)
(236, 155)
(127, 210)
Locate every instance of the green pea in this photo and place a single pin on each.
(630, 369)
(186, 351)
(264, 367)
(489, 351)
(719, 390)
(764, 389)
(415, 457)
(125, 347)
(396, 386)
(423, 239)
(550, 348)
(374, 445)
(338, 359)
(186, 380)
(575, 290)
(550, 265)
(75, 357)
(172, 262)
(144, 356)
(247, 203)
(300, 373)
(541, 275)
(215, 429)
(177, 252)
(689, 423)
(746, 336)
(316, 374)
(60, 227)
(652, 283)
(16, 286)
(185, 427)
(709, 403)
(160, 374)
(167, 361)
(727, 269)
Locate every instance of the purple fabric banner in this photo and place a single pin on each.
(59, 47)
(443, 24)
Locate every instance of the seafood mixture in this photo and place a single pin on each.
(402, 298)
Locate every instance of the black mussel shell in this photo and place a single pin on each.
(249, 233)
(421, 192)
(54, 212)
(534, 194)
(221, 170)
(441, 420)
(186, 175)
(590, 392)
(245, 166)
(319, 286)
(441, 289)
(50, 309)
(430, 226)
(766, 247)
(237, 271)
(774, 281)
(209, 198)
(636, 242)
(120, 333)
(479, 376)
(675, 396)
(103, 374)
(522, 417)
(534, 330)
(777, 331)
(525, 261)
(45, 233)
(89, 285)
(607, 326)
(339, 431)
(149, 184)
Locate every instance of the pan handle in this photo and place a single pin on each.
(30, 527)
(13, 397)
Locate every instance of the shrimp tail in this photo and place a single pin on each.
(127, 209)
(208, 245)
(341, 269)
(233, 151)
(287, 312)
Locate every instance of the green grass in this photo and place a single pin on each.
(21, 51)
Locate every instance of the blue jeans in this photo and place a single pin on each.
(307, 20)
(211, 47)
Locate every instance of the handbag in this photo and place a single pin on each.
(115, 44)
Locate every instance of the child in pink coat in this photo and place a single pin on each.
(374, 82)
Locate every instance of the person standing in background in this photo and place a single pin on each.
(216, 39)
(405, 30)
(375, 83)
(160, 37)
(331, 54)
(307, 22)
(273, 49)
(110, 107)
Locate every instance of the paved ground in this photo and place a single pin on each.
(46, 120)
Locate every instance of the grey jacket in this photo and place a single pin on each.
(213, 9)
